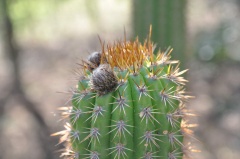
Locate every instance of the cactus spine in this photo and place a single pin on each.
(129, 104)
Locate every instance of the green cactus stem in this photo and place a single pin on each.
(129, 104)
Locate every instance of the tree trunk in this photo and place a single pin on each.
(16, 89)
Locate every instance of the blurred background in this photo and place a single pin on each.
(42, 40)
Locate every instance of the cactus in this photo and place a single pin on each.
(168, 19)
(129, 104)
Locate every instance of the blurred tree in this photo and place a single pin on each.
(168, 23)
(16, 89)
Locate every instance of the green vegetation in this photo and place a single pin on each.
(128, 104)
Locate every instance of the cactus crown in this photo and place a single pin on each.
(129, 104)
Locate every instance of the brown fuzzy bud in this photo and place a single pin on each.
(94, 60)
(103, 79)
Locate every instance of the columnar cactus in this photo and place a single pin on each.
(129, 104)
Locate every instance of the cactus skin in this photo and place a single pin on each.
(140, 113)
